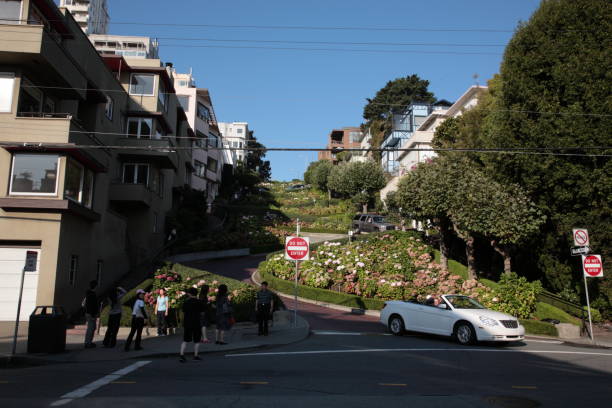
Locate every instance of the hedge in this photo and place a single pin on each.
(536, 327)
(322, 295)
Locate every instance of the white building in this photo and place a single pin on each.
(235, 137)
(207, 159)
(92, 15)
(127, 46)
(366, 143)
(422, 137)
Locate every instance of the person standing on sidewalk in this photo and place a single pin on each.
(139, 315)
(264, 304)
(161, 312)
(92, 310)
(192, 309)
(223, 315)
(114, 316)
(205, 315)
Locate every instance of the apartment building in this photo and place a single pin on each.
(92, 15)
(88, 159)
(126, 45)
(338, 139)
(207, 157)
(419, 134)
(365, 145)
(235, 139)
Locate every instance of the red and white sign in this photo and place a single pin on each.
(581, 237)
(297, 248)
(592, 266)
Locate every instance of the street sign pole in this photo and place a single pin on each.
(297, 272)
(23, 271)
(586, 290)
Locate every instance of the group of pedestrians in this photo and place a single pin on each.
(197, 316)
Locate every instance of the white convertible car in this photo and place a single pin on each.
(459, 316)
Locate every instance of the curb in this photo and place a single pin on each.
(374, 313)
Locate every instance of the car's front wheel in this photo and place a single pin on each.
(396, 325)
(464, 333)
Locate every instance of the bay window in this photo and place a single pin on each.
(34, 174)
(78, 186)
(142, 84)
(140, 128)
(136, 173)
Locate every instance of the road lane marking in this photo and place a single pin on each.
(392, 385)
(543, 341)
(89, 388)
(346, 333)
(253, 383)
(525, 387)
(463, 350)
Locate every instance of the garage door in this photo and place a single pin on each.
(12, 261)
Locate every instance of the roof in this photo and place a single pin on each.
(461, 102)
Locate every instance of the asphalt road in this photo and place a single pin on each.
(331, 370)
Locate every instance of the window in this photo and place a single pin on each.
(10, 11)
(109, 108)
(136, 173)
(200, 168)
(239, 130)
(203, 112)
(162, 96)
(155, 221)
(213, 140)
(99, 270)
(212, 165)
(74, 269)
(30, 98)
(142, 84)
(34, 174)
(78, 185)
(183, 84)
(140, 128)
(184, 101)
(7, 84)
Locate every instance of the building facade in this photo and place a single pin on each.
(235, 140)
(89, 159)
(339, 139)
(92, 15)
(127, 46)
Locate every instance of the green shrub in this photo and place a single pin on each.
(517, 296)
(595, 315)
(538, 328)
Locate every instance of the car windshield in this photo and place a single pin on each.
(464, 302)
(379, 219)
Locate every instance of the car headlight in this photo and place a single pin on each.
(487, 321)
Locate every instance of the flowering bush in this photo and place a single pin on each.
(398, 265)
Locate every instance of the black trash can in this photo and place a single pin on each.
(47, 330)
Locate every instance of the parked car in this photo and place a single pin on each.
(370, 223)
(295, 187)
(458, 316)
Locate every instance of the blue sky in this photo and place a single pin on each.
(293, 98)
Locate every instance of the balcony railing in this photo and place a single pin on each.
(53, 115)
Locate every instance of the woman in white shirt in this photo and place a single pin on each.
(139, 315)
(161, 312)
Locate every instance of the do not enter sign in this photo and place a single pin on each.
(297, 248)
(592, 266)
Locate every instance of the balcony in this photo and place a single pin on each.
(42, 53)
(160, 151)
(131, 195)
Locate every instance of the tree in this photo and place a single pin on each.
(554, 91)
(397, 94)
(357, 180)
(255, 158)
(425, 194)
(321, 175)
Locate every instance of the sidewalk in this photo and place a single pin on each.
(242, 336)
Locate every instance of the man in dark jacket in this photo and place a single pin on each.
(264, 305)
(192, 331)
(92, 310)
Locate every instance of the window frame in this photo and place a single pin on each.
(198, 164)
(136, 174)
(57, 176)
(11, 77)
(155, 84)
(109, 108)
(85, 174)
(138, 133)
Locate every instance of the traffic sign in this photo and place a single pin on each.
(592, 266)
(580, 251)
(31, 260)
(581, 237)
(297, 248)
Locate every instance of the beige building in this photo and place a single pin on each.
(89, 160)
